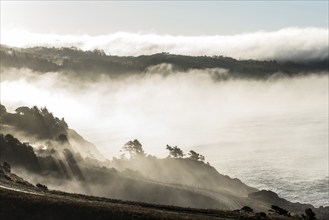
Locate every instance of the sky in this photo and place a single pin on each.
(187, 18)
(263, 30)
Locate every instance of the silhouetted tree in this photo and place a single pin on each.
(196, 156)
(23, 110)
(310, 215)
(54, 124)
(41, 186)
(18, 154)
(262, 215)
(11, 139)
(3, 110)
(175, 151)
(99, 52)
(62, 138)
(134, 148)
(37, 122)
(280, 210)
(6, 167)
(247, 209)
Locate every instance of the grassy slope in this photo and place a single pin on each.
(19, 205)
(21, 200)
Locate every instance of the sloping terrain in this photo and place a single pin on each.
(40, 126)
(88, 64)
(169, 181)
(20, 199)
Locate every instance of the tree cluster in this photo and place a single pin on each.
(196, 156)
(133, 148)
(280, 211)
(96, 62)
(35, 121)
(309, 214)
(18, 154)
(176, 152)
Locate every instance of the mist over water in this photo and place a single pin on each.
(285, 153)
(271, 134)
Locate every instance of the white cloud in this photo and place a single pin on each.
(184, 109)
(284, 44)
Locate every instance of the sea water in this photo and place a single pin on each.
(287, 154)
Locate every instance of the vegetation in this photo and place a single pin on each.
(134, 148)
(73, 60)
(196, 156)
(62, 138)
(3, 110)
(309, 214)
(76, 206)
(41, 186)
(6, 167)
(35, 121)
(280, 210)
(247, 209)
(176, 180)
(18, 154)
(175, 152)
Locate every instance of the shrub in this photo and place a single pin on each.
(280, 210)
(247, 209)
(41, 186)
(261, 215)
(310, 215)
(6, 167)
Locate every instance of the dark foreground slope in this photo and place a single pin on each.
(21, 205)
(21, 200)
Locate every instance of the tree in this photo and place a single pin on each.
(3, 110)
(99, 52)
(196, 156)
(42, 187)
(23, 110)
(62, 138)
(134, 148)
(280, 210)
(11, 139)
(175, 151)
(247, 209)
(6, 167)
(310, 215)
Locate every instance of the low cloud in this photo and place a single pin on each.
(179, 108)
(286, 44)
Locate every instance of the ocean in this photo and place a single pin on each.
(287, 154)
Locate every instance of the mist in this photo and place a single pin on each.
(278, 126)
(184, 109)
(296, 44)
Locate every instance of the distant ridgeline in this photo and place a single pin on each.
(89, 63)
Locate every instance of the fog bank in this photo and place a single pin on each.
(297, 44)
(184, 109)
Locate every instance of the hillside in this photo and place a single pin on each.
(51, 155)
(39, 125)
(39, 203)
(88, 64)
(55, 161)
